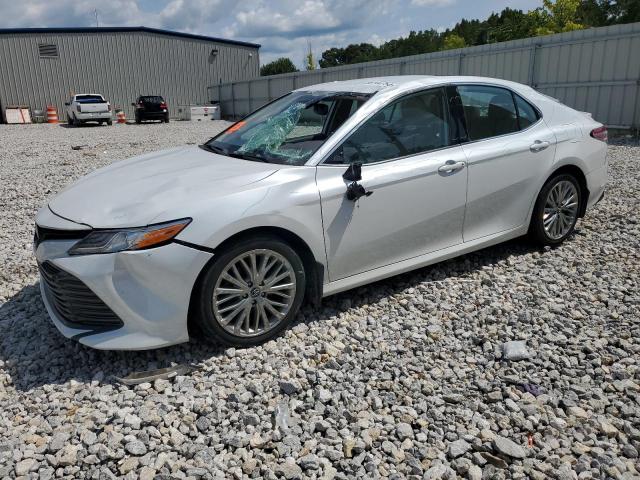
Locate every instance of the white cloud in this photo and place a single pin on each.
(432, 3)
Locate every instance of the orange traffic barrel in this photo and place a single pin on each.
(121, 117)
(52, 114)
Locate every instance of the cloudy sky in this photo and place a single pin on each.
(282, 27)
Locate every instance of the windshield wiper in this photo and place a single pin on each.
(247, 156)
(222, 151)
(212, 149)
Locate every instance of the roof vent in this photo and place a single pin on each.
(48, 50)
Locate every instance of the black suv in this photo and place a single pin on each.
(151, 107)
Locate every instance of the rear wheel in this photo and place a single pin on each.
(166, 119)
(556, 210)
(109, 122)
(251, 293)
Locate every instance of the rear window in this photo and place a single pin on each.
(89, 99)
(152, 99)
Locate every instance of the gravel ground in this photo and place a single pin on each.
(419, 376)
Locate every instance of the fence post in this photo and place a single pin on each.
(360, 70)
(532, 64)
(460, 60)
(268, 90)
(403, 64)
(249, 95)
(233, 100)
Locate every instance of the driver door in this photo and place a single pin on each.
(417, 180)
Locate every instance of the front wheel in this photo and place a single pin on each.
(251, 292)
(556, 210)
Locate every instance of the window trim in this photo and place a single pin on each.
(397, 98)
(482, 84)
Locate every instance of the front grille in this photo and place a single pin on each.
(42, 234)
(74, 302)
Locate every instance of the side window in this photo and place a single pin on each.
(489, 111)
(413, 124)
(527, 115)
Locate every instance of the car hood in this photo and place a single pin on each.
(155, 187)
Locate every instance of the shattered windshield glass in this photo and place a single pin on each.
(288, 130)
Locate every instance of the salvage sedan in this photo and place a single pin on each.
(327, 188)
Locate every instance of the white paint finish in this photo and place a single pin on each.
(503, 178)
(414, 217)
(148, 289)
(413, 210)
(155, 187)
(418, 262)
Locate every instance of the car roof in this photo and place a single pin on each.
(399, 82)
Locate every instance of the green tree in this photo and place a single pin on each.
(281, 65)
(354, 53)
(556, 17)
(452, 41)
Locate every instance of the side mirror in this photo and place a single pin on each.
(133, 104)
(67, 103)
(353, 173)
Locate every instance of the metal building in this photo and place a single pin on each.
(45, 66)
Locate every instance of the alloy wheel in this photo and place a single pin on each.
(254, 292)
(560, 209)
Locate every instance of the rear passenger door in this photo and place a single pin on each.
(509, 149)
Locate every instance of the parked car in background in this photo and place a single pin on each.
(88, 107)
(151, 107)
(322, 190)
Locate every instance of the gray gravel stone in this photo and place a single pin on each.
(458, 448)
(392, 373)
(508, 447)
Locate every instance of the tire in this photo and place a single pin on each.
(138, 121)
(166, 120)
(71, 120)
(254, 322)
(556, 210)
(109, 122)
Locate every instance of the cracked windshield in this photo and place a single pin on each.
(288, 130)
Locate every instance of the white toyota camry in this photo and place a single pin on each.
(326, 188)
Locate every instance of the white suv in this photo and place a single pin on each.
(88, 107)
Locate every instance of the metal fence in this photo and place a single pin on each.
(595, 70)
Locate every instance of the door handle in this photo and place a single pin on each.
(451, 167)
(538, 146)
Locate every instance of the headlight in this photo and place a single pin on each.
(118, 240)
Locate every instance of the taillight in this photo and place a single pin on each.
(163, 105)
(600, 133)
(109, 106)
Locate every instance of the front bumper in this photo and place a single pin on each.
(149, 290)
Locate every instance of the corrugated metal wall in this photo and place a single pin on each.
(119, 65)
(595, 70)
